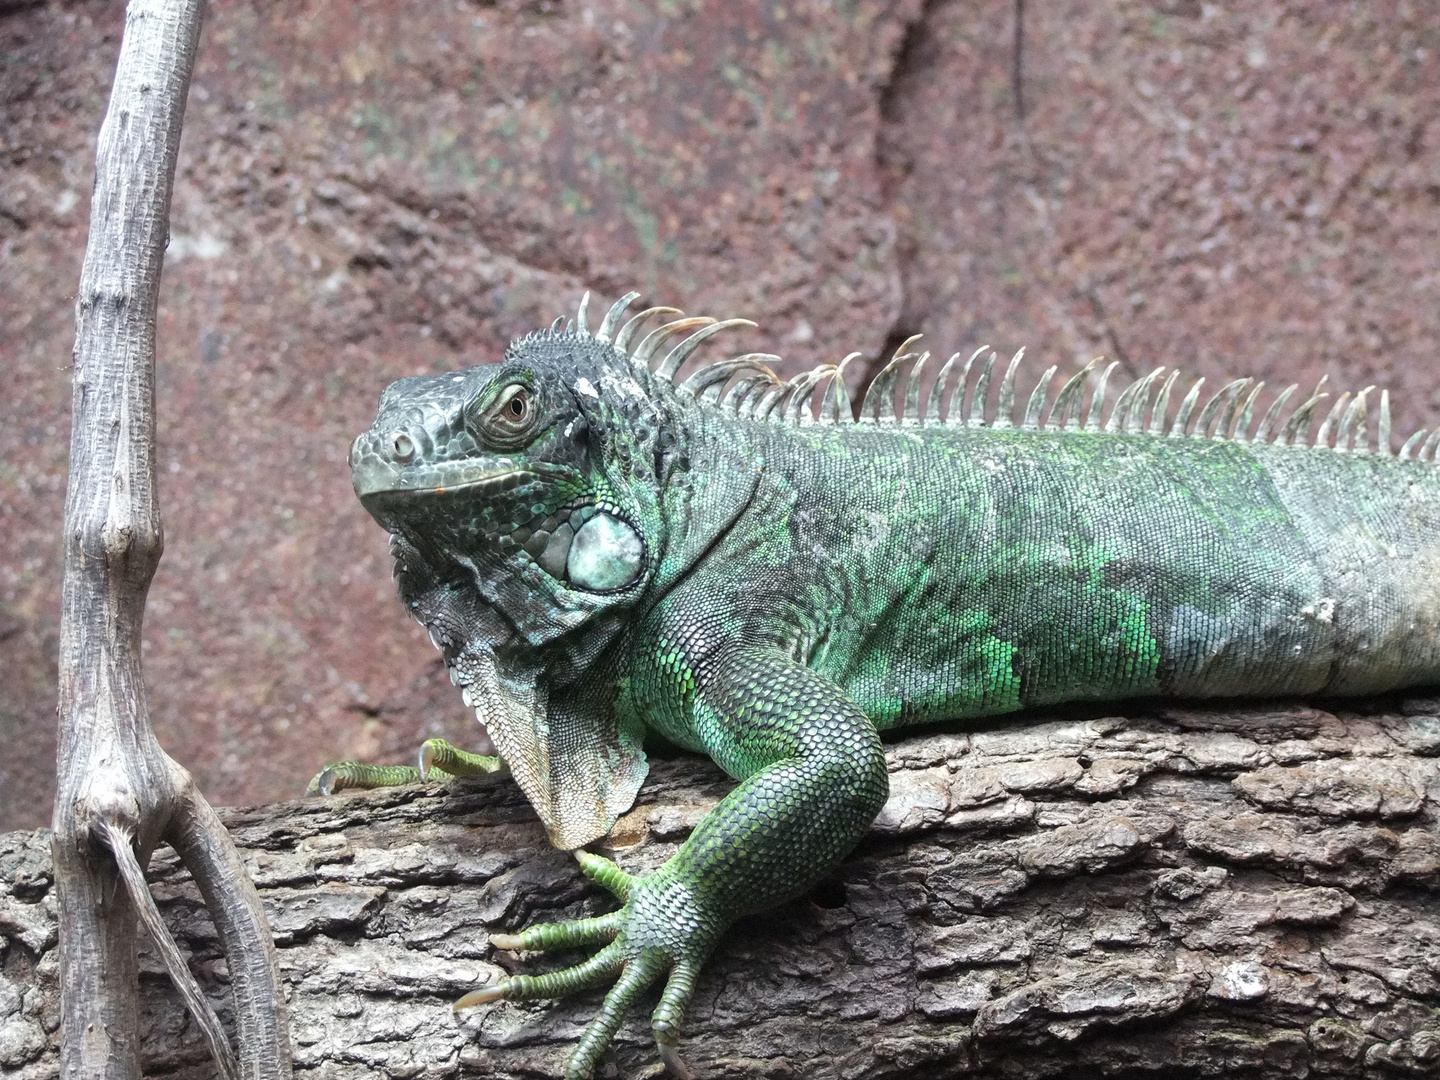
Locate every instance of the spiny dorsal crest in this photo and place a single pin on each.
(747, 387)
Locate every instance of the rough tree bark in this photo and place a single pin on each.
(1232, 892)
(119, 794)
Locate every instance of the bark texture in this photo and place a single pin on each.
(1232, 892)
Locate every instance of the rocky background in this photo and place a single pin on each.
(375, 188)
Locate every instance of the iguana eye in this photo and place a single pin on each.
(509, 417)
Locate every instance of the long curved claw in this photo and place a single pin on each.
(638, 974)
(574, 934)
(450, 759)
(481, 996)
(671, 1059)
(346, 775)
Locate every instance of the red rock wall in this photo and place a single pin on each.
(371, 189)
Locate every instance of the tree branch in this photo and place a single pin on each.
(115, 784)
(1238, 892)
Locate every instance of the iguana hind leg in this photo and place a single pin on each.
(434, 754)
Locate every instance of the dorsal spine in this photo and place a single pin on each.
(746, 387)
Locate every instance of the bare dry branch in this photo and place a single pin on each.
(115, 783)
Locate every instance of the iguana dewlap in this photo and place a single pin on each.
(600, 548)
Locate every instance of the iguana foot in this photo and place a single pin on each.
(434, 754)
(659, 929)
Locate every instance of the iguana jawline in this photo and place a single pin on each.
(481, 486)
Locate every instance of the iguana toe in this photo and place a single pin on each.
(638, 973)
(434, 754)
(450, 759)
(665, 1020)
(606, 873)
(346, 775)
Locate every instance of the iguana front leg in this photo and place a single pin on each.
(813, 778)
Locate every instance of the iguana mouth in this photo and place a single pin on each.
(374, 490)
(384, 468)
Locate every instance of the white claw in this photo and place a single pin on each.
(480, 997)
(671, 1057)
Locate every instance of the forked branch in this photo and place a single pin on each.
(119, 795)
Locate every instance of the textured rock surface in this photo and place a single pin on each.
(378, 188)
(1097, 896)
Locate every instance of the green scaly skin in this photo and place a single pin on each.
(597, 552)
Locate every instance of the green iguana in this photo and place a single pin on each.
(600, 549)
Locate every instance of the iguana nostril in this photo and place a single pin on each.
(403, 446)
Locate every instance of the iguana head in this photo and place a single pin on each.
(520, 464)
(525, 498)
